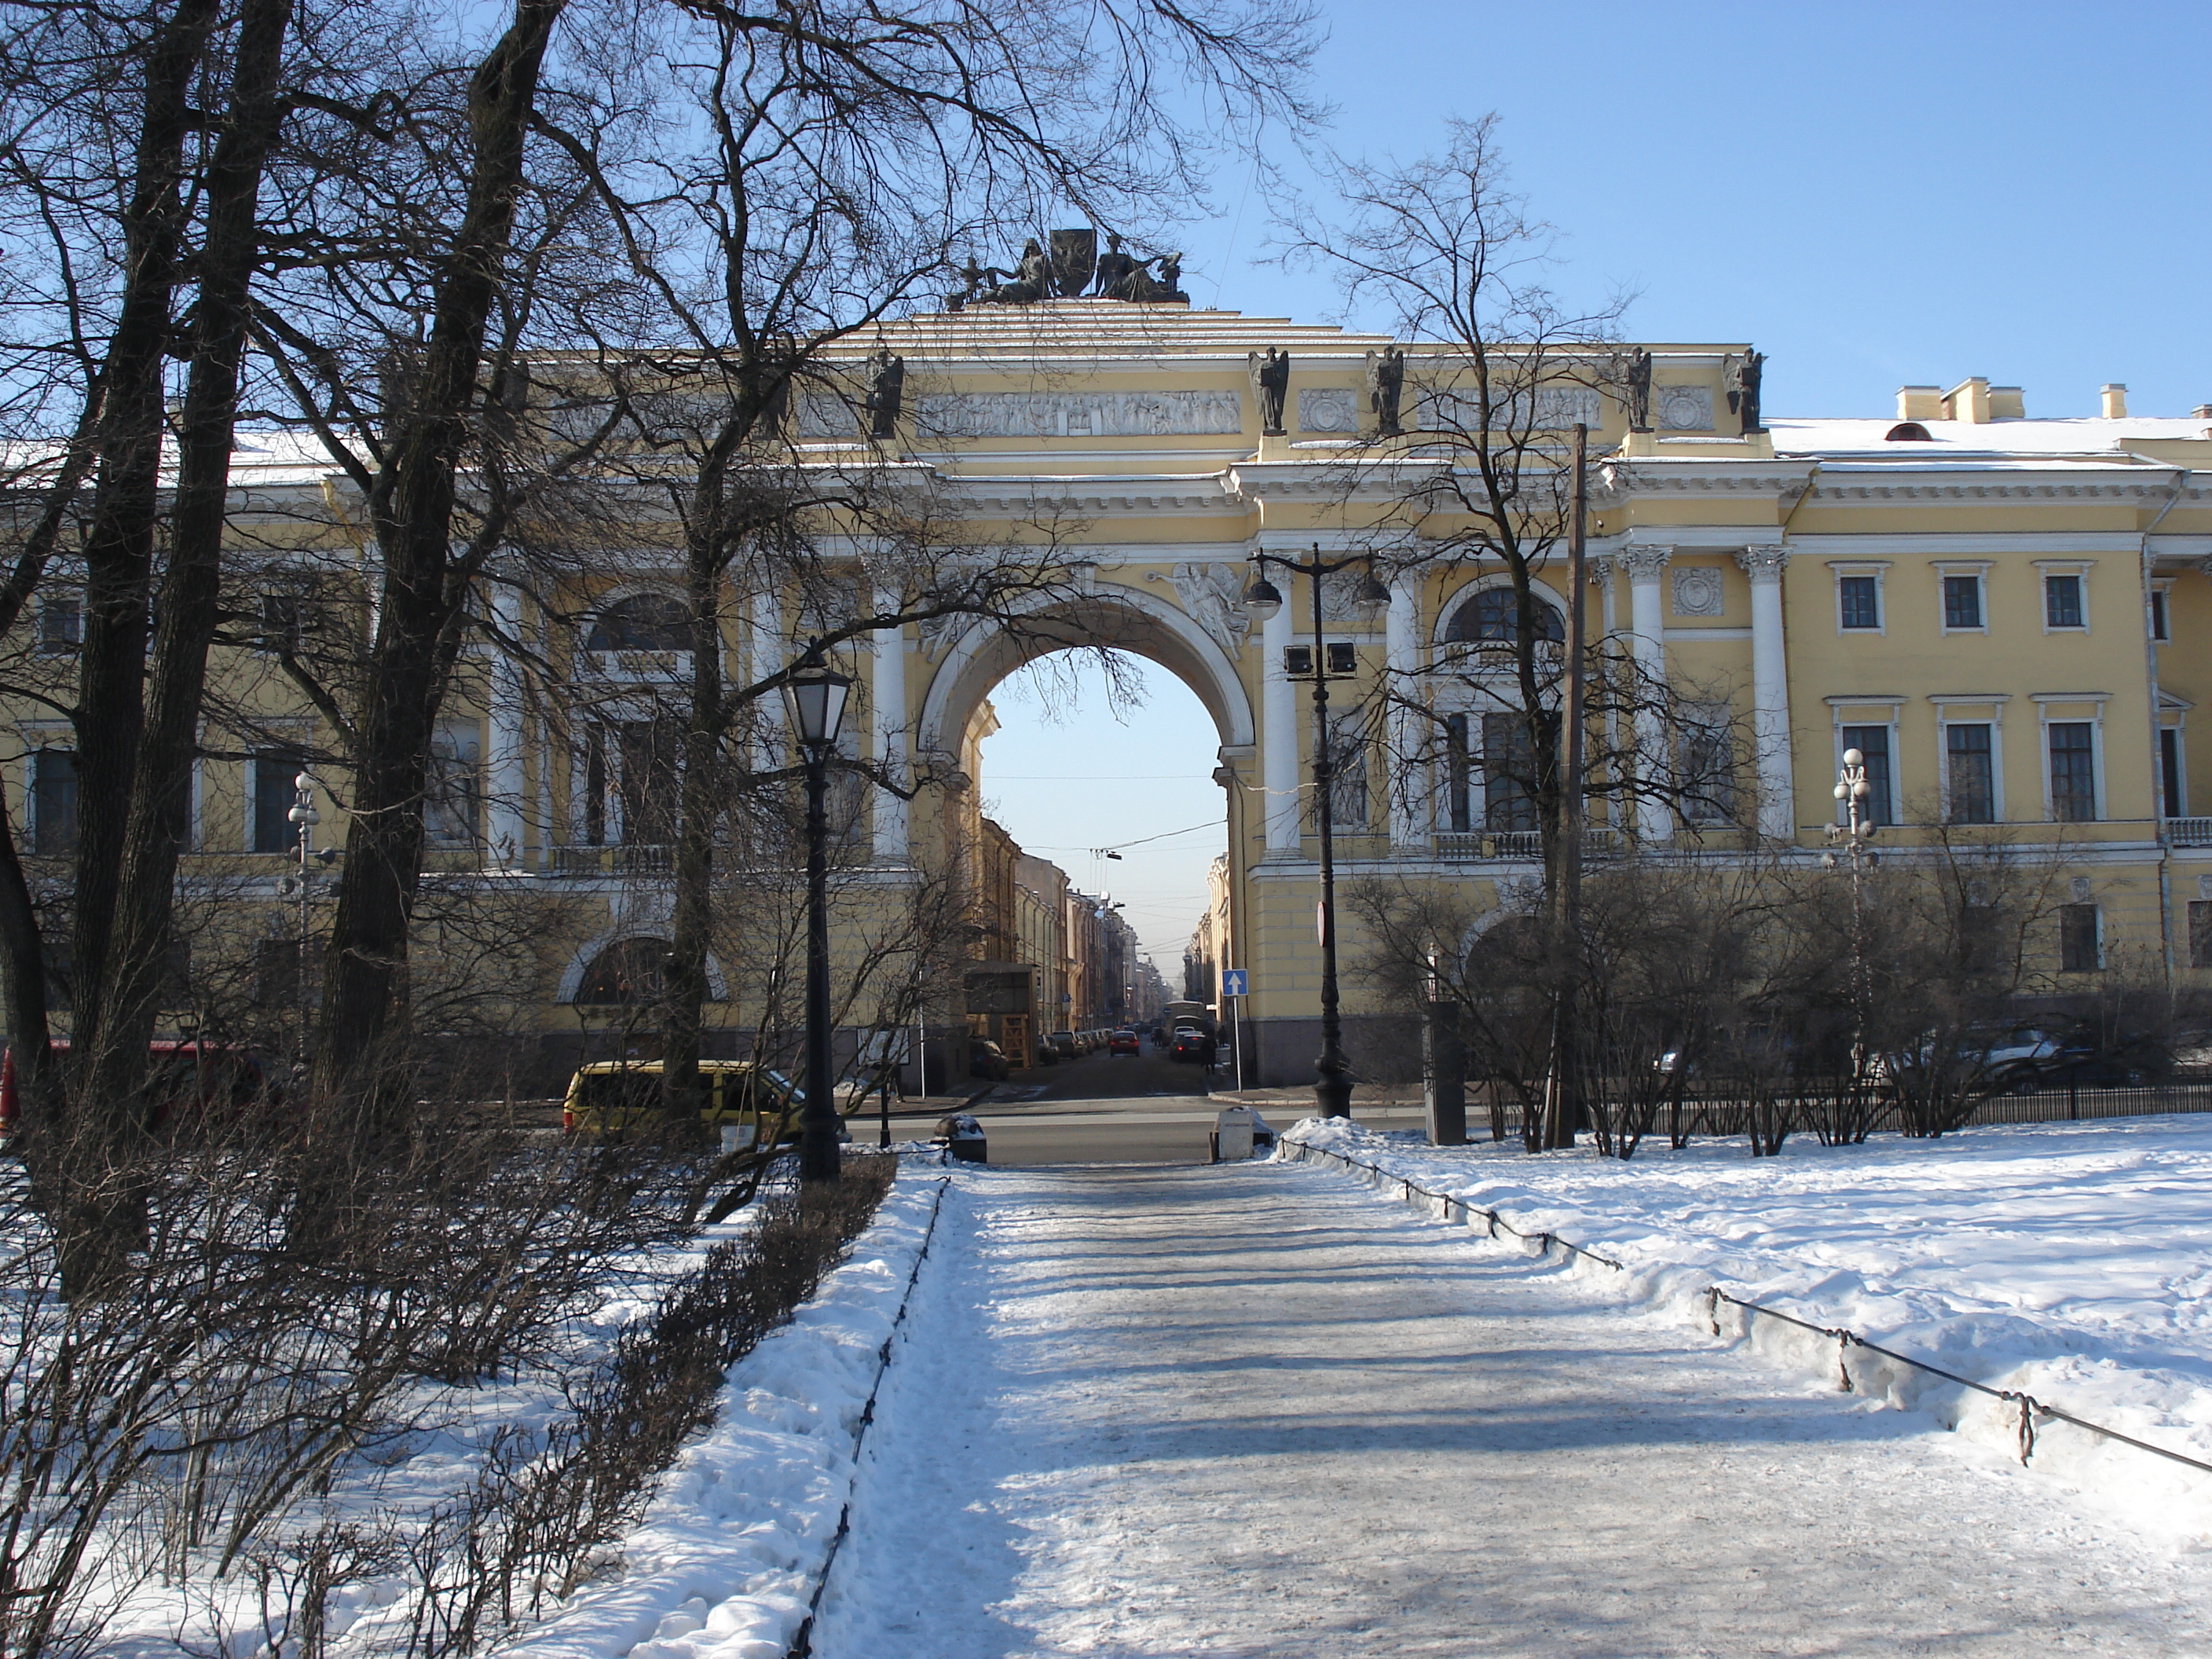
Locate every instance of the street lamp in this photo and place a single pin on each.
(1262, 600)
(303, 818)
(1856, 792)
(816, 699)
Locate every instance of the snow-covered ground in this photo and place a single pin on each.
(1261, 1411)
(2070, 1261)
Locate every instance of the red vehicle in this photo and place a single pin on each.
(189, 1081)
(1123, 1041)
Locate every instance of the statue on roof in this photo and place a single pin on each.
(1114, 268)
(886, 386)
(1636, 388)
(1271, 383)
(1386, 387)
(1741, 376)
(1030, 279)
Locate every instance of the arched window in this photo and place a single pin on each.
(643, 622)
(1489, 619)
(628, 973)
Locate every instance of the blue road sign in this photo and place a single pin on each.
(1233, 983)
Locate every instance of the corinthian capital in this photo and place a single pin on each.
(1763, 564)
(1642, 564)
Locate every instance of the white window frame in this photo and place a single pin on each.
(1979, 570)
(1994, 719)
(248, 793)
(2172, 716)
(2046, 702)
(1853, 711)
(1877, 569)
(2160, 618)
(34, 735)
(2046, 570)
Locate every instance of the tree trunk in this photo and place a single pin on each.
(685, 984)
(365, 988)
(159, 819)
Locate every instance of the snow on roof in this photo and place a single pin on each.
(1957, 440)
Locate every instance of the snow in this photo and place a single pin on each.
(1955, 440)
(724, 1563)
(2068, 1261)
(1259, 1410)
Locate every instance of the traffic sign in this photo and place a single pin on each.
(1233, 983)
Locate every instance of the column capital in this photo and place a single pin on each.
(1643, 563)
(1763, 564)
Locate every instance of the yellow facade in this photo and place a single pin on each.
(1739, 566)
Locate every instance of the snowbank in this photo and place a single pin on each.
(724, 1563)
(2072, 1262)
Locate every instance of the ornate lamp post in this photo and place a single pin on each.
(1854, 790)
(303, 818)
(816, 699)
(1262, 600)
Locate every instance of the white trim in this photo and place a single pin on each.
(1995, 722)
(2101, 797)
(2159, 609)
(1896, 756)
(2077, 569)
(1464, 594)
(1945, 570)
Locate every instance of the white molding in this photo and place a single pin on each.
(1692, 635)
(1967, 544)
(1995, 722)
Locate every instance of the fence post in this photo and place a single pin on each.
(2073, 1094)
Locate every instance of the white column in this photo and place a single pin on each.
(1647, 643)
(503, 784)
(1770, 692)
(767, 655)
(1279, 733)
(887, 691)
(1410, 768)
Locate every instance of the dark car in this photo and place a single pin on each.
(1123, 1041)
(988, 1061)
(1192, 1045)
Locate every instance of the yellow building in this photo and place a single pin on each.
(2010, 616)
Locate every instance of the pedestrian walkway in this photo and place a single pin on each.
(1257, 1411)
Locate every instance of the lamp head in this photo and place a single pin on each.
(1852, 758)
(1262, 600)
(1843, 792)
(1371, 600)
(815, 698)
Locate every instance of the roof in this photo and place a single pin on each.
(1984, 440)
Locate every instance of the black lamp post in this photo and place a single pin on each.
(816, 698)
(1332, 1071)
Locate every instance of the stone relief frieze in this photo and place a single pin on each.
(1212, 595)
(1684, 408)
(1078, 414)
(1331, 409)
(1557, 408)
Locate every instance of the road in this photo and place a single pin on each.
(1107, 1108)
(1256, 1412)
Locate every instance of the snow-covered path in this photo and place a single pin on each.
(1258, 1411)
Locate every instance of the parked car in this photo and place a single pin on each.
(1063, 1044)
(188, 1082)
(1192, 1045)
(744, 1100)
(1124, 1041)
(985, 1059)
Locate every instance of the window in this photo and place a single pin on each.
(1962, 602)
(1347, 787)
(1508, 773)
(627, 973)
(273, 795)
(452, 787)
(1704, 760)
(2073, 772)
(2080, 949)
(53, 802)
(2200, 933)
(1492, 617)
(1873, 743)
(643, 622)
(1860, 599)
(2158, 630)
(2061, 602)
(1458, 769)
(283, 622)
(635, 766)
(2173, 801)
(61, 625)
(277, 973)
(1971, 774)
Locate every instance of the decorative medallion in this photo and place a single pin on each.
(1684, 408)
(1697, 591)
(1328, 408)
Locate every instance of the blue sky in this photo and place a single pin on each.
(1873, 194)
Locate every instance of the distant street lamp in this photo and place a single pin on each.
(816, 698)
(1332, 1071)
(1856, 792)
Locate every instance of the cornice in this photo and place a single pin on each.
(2138, 485)
(1180, 495)
(1622, 481)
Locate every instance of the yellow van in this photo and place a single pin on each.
(744, 1099)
